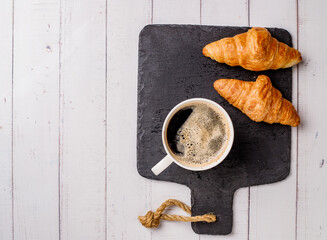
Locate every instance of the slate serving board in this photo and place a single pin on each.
(172, 69)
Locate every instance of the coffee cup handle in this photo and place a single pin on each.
(162, 165)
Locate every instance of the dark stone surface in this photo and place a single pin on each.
(172, 69)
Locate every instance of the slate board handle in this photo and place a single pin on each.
(215, 201)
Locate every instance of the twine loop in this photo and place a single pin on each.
(152, 219)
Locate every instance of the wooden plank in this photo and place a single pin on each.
(218, 13)
(35, 119)
(162, 191)
(129, 195)
(224, 12)
(312, 168)
(6, 25)
(83, 120)
(275, 204)
(174, 12)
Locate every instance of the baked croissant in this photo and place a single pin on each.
(254, 50)
(259, 100)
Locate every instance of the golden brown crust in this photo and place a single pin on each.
(254, 50)
(259, 100)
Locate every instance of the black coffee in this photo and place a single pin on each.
(197, 134)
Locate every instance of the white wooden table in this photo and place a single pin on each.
(68, 121)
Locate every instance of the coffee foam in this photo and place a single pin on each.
(203, 137)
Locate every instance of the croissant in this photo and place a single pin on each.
(254, 50)
(259, 100)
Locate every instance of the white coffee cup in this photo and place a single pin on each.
(169, 158)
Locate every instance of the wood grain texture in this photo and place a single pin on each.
(312, 168)
(35, 119)
(129, 195)
(6, 26)
(176, 11)
(165, 12)
(275, 204)
(224, 12)
(218, 13)
(82, 120)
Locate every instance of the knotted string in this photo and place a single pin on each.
(152, 219)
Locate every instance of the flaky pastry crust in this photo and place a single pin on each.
(255, 50)
(259, 100)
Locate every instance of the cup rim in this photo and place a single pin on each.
(231, 134)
